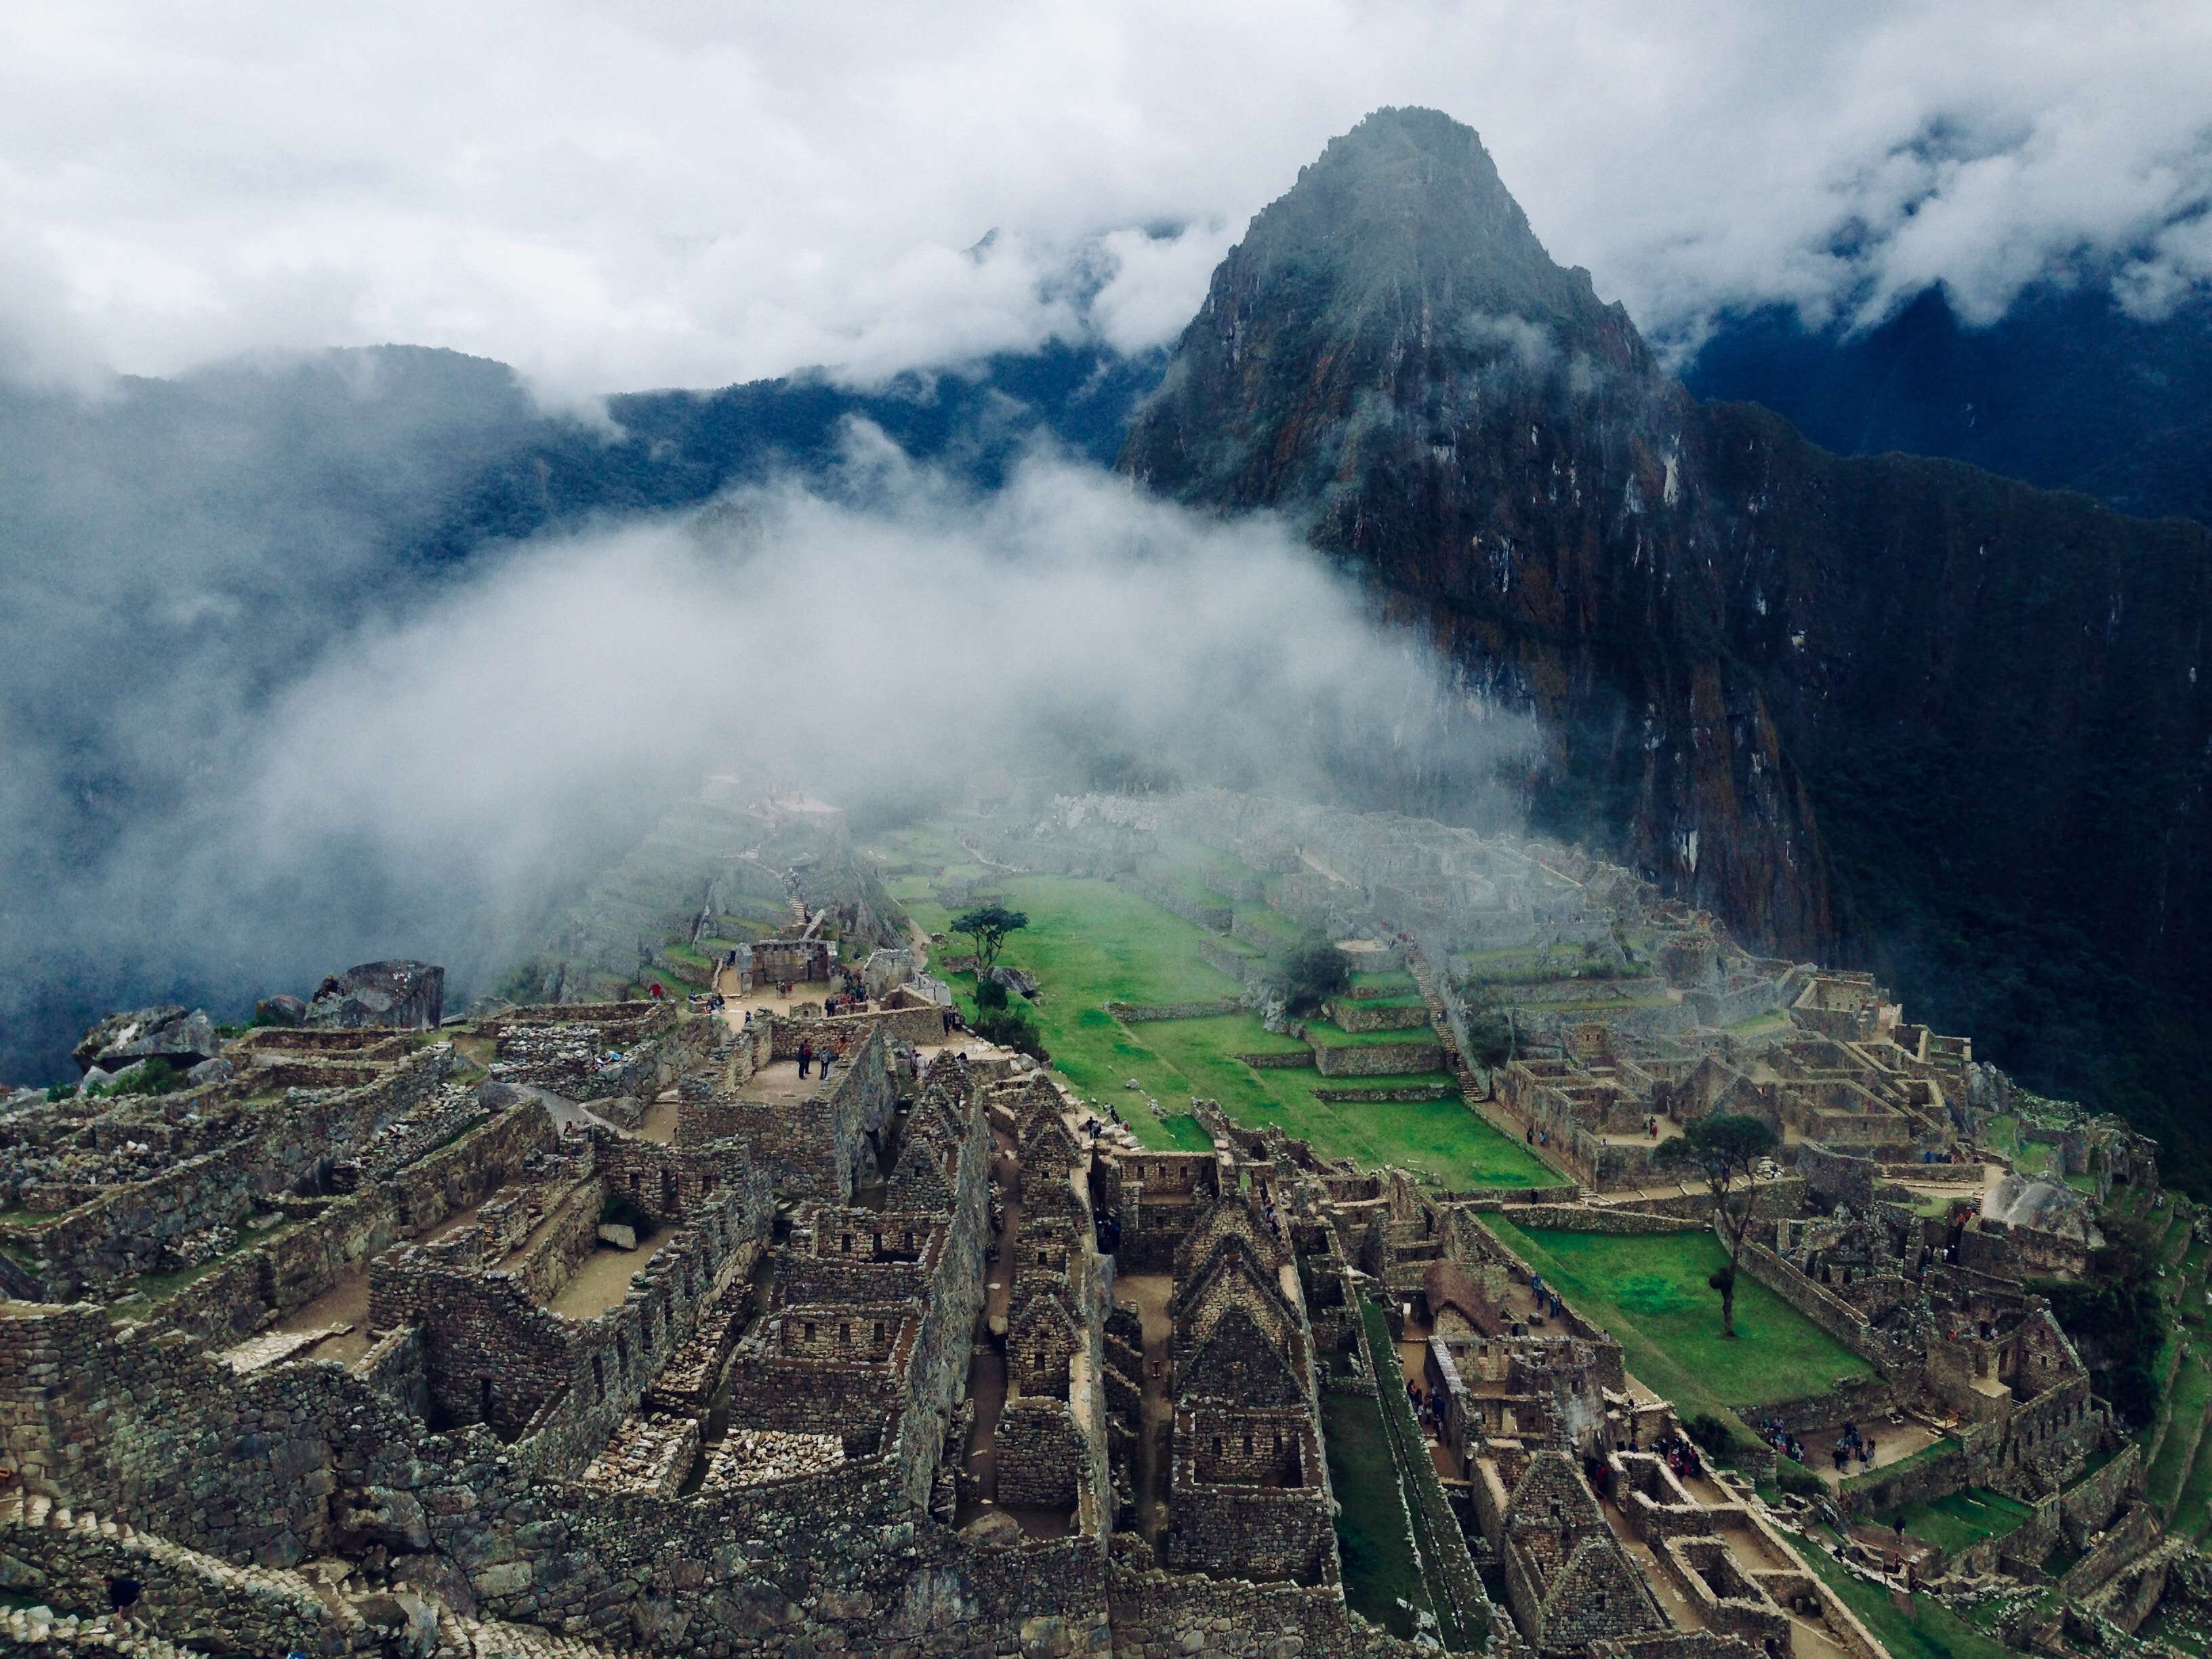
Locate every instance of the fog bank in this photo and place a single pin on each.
(439, 781)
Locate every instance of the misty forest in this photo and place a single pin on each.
(1101, 881)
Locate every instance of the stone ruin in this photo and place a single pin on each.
(591, 1327)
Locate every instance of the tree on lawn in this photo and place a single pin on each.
(1725, 1151)
(987, 926)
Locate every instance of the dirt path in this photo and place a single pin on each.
(1149, 1293)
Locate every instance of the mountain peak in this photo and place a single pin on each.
(1397, 274)
(1408, 205)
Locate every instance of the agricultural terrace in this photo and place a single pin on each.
(1649, 1292)
(1093, 942)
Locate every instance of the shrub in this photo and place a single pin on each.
(157, 1075)
(1012, 1027)
(1489, 1038)
(1312, 974)
(1796, 1480)
(990, 994)
(1710, 1434)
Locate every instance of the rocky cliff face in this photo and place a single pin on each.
(1887, 708)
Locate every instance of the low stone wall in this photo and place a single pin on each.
(1281, 1060)
(1826, 1309)
(1936, 1473)
(1597, 1218)
(1134, 1013)
(1353, 1014)
(1785, 1197)
(902, 1026)
(470, 1170)
(1377, 1059)
(1214, 918)
(1403, 1091)
(1216, 955)
(272, 1279)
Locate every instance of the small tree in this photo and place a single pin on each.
(987, 926)
(1725, 1151)
(1312, 974)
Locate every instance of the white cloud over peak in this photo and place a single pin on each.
(613, 197)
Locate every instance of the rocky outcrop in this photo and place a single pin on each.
(409, 995)
(168, 1032)
(1863, 707)
(282, 1009)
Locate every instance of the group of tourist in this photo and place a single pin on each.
(808, 1054)
(1428, 1411)
(1679, 1451)
(1787, 1444)
(1548, 1299)
(1851, 1444)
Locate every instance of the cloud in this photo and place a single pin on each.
(435, 778)
(618, 197)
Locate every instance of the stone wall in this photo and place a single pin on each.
(1890, 1352)
(1136, 1012)
(1598, 1218)
(813, 1146)
(1157, 1615)
(2087, 1507)
(1355, 1014)
(1403, 1091)
(1934, 1472)
(184, 1594)
(1377, 1059)
(1281, 1060)
(1041, 1453)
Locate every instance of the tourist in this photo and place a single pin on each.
(805, 1055)
(827, 1057)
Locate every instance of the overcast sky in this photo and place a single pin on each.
(625, 195)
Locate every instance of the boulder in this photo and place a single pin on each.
(217, 1069)
(614, 1233)
(410, 996)
(282, 1009)
(166, 1032)
(994, 1531)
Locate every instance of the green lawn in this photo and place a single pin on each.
(1373, 1536)
(1093, 942)
(1965, 1518)
(1393, 981)
(1649, 1291)
(1442, 1138)
(2185, 1403)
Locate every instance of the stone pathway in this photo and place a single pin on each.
(273, 1346)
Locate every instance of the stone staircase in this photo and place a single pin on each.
(296, 1601)
(41, 1633)
(489, 1638)
(1424, 979)
(182, 1583)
